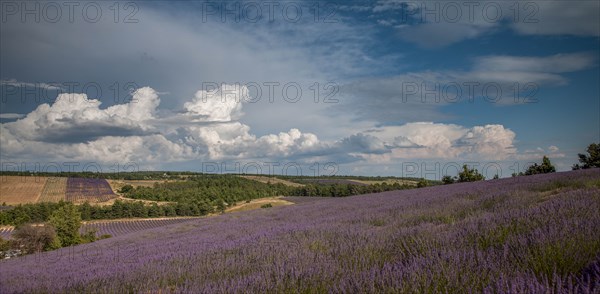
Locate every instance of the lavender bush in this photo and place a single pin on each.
(535, 234)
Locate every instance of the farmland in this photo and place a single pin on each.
(54, 190)
(123, 227)
(93, 190)
(520, 235)
(114, 227)
(272, 180)
(18, 189)
(386, 181)
(32, 189)
(116, 185)
(257, 203)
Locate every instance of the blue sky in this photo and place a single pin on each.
(185, 85)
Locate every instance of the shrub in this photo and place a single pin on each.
(89, 236)
(268, 205)
(36, 238)
(422, 183)
(126, 189)
(448, 180)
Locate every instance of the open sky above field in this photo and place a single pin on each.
(376, 88)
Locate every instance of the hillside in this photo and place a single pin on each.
(525, 234)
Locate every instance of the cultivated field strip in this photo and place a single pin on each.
(122, 227)
(54, 190)
(17, 189)
(92, 190)
(114, 227)
(5, 232)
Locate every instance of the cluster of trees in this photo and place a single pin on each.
(210, 188)
(466, 175)
(342, 190)
(590, 160)
(60, 230)
(302, 179)
(42, 212)
(544, 168)
(29, 213)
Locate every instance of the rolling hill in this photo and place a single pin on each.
(524, 234)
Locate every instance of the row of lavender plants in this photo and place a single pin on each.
(535, 234)
(123, 227)
(88, 189)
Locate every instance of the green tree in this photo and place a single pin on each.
(126, 189)
(67, 221)
(447, 180)
(469, 175)
(86, 211)
(592, 159)
(544, 168)
(154, 210)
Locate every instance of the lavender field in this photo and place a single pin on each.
(88, 189)
(534, 234)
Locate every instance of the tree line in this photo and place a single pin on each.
(59, 229)
(589, 160)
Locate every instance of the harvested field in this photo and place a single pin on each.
(388, 181)
(19, 190)
(257, 203)
(54, 190)
(116, 185)
(272, 180)
(332, 181)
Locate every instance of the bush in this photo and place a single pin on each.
(126, 189)
(89, 236)
(422, 183)
(448, 180)
(268, 205)
(4, 244)
(36, 238)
